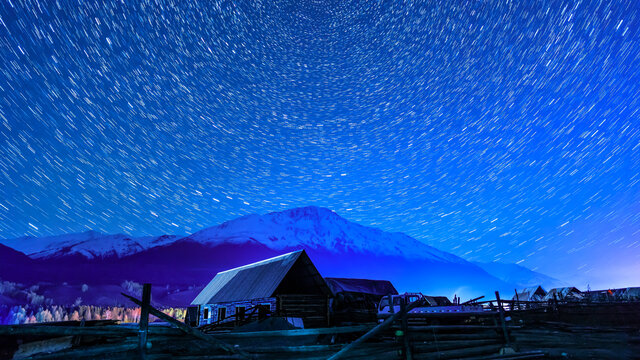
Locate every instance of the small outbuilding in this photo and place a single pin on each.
(569, 293)
(631, 294)
(613, 295)
(535, 293)
(288, 286)
(356, 300)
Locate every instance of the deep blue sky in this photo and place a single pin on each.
(497, 130)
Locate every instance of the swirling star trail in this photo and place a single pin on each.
(496, 130)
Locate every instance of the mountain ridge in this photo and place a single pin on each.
(338, 247)
(308, 226)
(519, 275)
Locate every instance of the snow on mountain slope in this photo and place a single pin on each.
(315, 227)
(337, 247)
(90, 244)
(310, 227)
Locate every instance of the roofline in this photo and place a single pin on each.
(337, 278)
(259, 262)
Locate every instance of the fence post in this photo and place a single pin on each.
(502, 321)
(377, 329)
(405, 330)
(144, 318)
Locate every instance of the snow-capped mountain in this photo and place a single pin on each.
(309, 227)
(90, 244)
(338, 248)
(318, 228)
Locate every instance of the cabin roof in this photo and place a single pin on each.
(563, 292)
(258, 280)
(534, 290)
(635, 291)
(364, 286)
(530, 294)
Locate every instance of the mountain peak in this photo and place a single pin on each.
(316, 227)
(307, 212)
(312, 227)
(90, 244)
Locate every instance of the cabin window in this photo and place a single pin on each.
(240, 312)
(222, 313)
(206, 313)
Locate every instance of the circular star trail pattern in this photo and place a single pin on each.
(497, 130)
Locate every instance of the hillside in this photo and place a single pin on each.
(338, 247)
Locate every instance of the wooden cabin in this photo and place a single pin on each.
(288, 286)
(356, 300)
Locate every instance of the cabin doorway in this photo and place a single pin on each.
(240, 311)
(263, 311)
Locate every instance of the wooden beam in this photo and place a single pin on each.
(194, 332)
(472, 300)
(502, 320)
(296, 332)
(144, 319)
(405, 332)
(284, 349)
(420, 337)
(48, 330)
(29, 349)
(456, 327)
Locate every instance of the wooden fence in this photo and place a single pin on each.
(397, 337)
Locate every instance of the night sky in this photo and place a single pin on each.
(496, 130)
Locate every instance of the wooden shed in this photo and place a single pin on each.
(288, 286)
(535, 293)
(356, 300)
(568, 293)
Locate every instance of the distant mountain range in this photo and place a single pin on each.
(520, 275)
(338, 247)
(90, 244)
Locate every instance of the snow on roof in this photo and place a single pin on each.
(564, 292)
(533, 293)
(256, 280)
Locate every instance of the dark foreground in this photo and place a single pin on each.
(489, 335)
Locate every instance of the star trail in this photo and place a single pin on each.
(496, 130)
